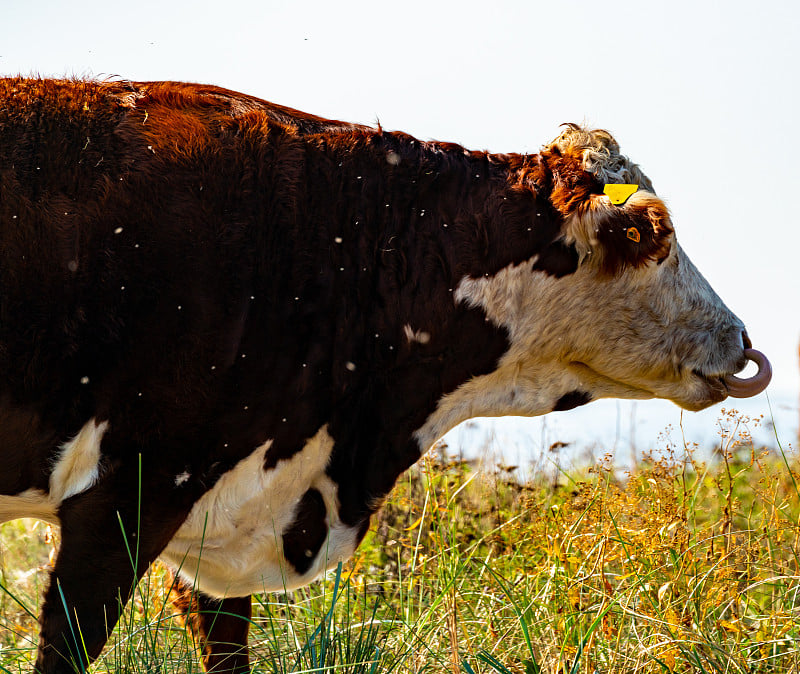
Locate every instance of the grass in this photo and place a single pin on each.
(673, 566)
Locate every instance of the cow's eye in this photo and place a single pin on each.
(630, 235)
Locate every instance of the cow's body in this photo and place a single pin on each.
(257, 319)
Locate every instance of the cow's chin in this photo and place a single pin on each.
(700, 392)
(694, 392)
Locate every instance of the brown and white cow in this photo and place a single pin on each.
(227, 327)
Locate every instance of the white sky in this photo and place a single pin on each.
(705, 96)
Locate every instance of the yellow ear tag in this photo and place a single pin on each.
(633, 234)
(619, 193)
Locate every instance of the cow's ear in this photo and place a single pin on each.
(615, 237)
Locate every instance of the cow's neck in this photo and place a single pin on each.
(423, 219)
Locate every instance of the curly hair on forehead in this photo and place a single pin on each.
(601, 155)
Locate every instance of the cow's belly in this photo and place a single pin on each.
(232, 542)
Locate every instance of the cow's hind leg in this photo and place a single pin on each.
(219, 627)
(108, 541)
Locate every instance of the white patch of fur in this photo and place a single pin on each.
(601, 156)
(78, 465)
(639, 335)
(231, 543)
(30, 503)
(182, 478)
(75, 470)
(419, 336)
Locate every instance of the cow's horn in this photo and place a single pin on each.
(744, 388)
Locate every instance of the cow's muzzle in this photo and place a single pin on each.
(744, 388)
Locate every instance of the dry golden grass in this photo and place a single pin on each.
(673, 566)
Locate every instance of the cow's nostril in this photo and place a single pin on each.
(746, 340)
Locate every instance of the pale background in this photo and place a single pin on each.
(703, 95)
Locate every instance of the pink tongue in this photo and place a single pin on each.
(744, 388)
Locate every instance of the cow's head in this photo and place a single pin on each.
(633, 319)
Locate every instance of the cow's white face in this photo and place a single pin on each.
(649, 332)
(635, 320)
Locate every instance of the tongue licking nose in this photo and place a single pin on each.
(745, 388)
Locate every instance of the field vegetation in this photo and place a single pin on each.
(673, 565)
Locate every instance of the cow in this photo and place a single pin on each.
(227, 327)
